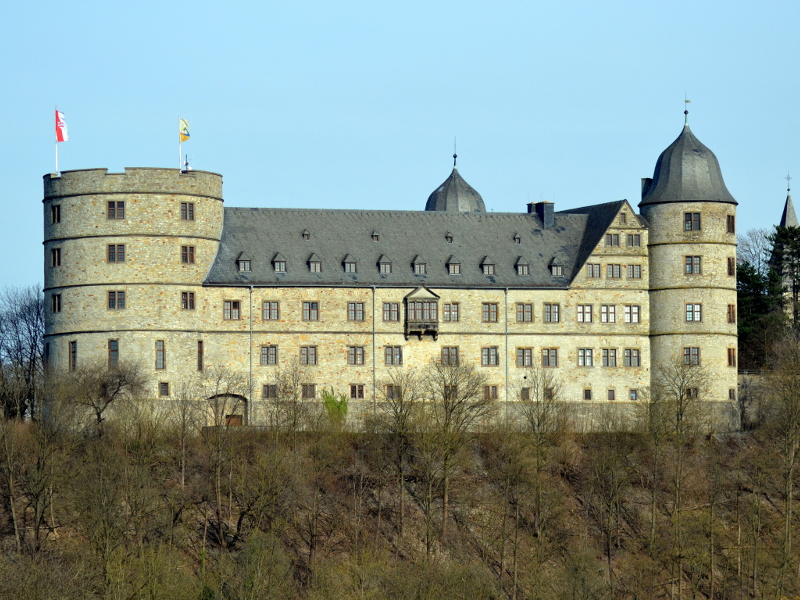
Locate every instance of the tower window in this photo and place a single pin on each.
(116, 300)
(691, 221)
(55, 257)
(731, 223)
(731, 313)
(55, 303)
(163, 388)
(693, 265)
(116, 253)
(187, 211)
(113, 354)
(187, 255)
(161, 355)
(694, 312)
(691, 356)
(187, 300)
(731, 266)
(55, 213)
(199, 355)
(731, 357)
(116, 210)
(73, 356)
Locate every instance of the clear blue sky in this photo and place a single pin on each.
(355, 104)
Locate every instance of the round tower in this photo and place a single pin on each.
(692, 249)
(125, 258)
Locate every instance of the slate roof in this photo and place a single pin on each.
(687, 171)
(788, 218)
(265, 232)
(455, 195)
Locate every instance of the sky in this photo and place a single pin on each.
(356, 104)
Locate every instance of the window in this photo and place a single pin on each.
(731, 313)
(557, 270)
(517, 239)
(489, 357)
(549, 357)
(350, 267)
(731, 357)
(391, 311)
(451, 311)
(609, 357)
(608, 313)
(46, 354)
(385, 268)
(116, 253)
(522, 269)
(306, 235)
(488, 269)
(448, 238)
(356, 391)
(423, 310)
(691, 356)
(116, 210)
(611, 395)
(393, 355)
(585, 357)
(375, 236)
(113, 354)
(308, 355)
(308, 391)
(450, 392)
(116, 300)
(161, 355)
(623, 218)
(613, 271)
(393, 392)
(187, 300)
(731, 224)
(525, 393)
(355, 355)
(355, 311)
(269, 355)
(163, 388)
(593, 270)
(270, 311)
(524, 357)
(584, 313)
(73, 356)
(55, 257)
(490, 392)
(55, 213)
(315, 266)
(634, 240)
(234, 420)
(691, 221)
(632, 357)
(450, 355)
(634, 271)
(420, 268)
(55, 303)
(310, 311)
(269, 391)
(693, 265)
(731, 393)
(612, 239)
(489, 312)
(524, 313)
(187, 255)
(187, 211)
(231, 310)
(279, 266)
(692, 393)
(244, 265)
(199, 355)
(632, 312)
(731, 266)
(694, 312)
(634, 394)
(552, 313)
(587, 394)
(454, 269)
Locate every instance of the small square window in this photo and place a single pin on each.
(693, 265)
(279, 266)
(187, 254)
(315, 266)
(454, 269)
(420, 269)
(355, 355)
(587, 394)
(490, 392)
(691, 221)
(523, 270)
(116, 253)
(187, 300)
(356, 391)
(488, 269)
(163, 389)
(634, 240)
(116, 300)
(116, 210)
(393, 355)
(552, 313)
(691, 356)
(609, 357)
(524, 357)
(612, 239)
(308, 391)
(613, 271)
(269, 391)
(490, 357)
(187, 211)
(634, 271)
(244, 265)
(524, 313)
(549, 357)
(611, 395)
(385, 268)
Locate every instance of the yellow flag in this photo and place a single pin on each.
(183, 129)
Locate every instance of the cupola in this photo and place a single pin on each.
(687, 171)
(455, 195)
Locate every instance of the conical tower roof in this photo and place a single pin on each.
(455, 195)
(687, 171)
(788, 218)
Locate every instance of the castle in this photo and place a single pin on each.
(147, 265)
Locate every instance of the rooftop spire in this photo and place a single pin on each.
(686, 101)
(788, 183)
(455, 154)
(789, 217)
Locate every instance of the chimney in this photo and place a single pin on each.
(543, 210)
(646, 183)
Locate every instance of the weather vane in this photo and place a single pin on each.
(788, 183)
(686, 102)
(455, 154)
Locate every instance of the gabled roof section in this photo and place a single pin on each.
(314, 258)
(599, 218)
(521, 260)
(422, 293)
(418, 260)
(383, 259)
(453, 260)
(349, 259)
(278, 257)
(487, 261)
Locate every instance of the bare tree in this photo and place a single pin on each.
(754, 247)
(291, 412)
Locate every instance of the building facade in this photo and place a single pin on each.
(148, 266)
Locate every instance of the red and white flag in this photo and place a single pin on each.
(61, 128)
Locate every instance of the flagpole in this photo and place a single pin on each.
(56, 132)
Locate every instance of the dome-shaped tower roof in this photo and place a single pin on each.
(686, 171)
(455, 195)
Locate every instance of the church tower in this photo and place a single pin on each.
(692, 248)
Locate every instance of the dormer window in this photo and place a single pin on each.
(487, 265)
(306, 235)
(384, 265)
(349, 264)
(448, 237)
(243, 262)
(517, 239)
(623, 218)
(522, 266)
(419, 266)
(279, 263)
(522, 270)
(556, 268)
(376, 236)
(453, 266)
(314, 264)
